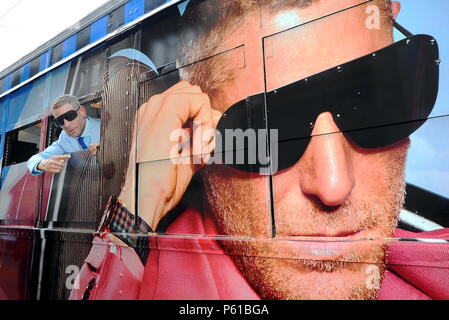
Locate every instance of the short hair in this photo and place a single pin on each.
(206, 23)
(66, 99)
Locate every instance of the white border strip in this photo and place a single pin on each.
(418, 222)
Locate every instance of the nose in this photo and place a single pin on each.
(66, 124)
(326, 166)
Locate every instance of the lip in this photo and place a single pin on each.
(327, 246)
(336, 234)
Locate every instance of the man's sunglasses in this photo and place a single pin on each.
(376, 101)
(69, 116)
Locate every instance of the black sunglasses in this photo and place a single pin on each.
(376, 101)
(69, 116)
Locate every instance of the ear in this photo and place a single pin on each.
(83, 111)
(395, 8)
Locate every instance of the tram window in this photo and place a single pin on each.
(34, 66)
(21, 144)
(86, 73)
(57, 53)
(83, 37)
(116, 18)
(93, 109)
(124, 41)
(53, 131)
(159, 38)
(16, 78)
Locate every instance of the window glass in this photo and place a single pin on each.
(21, 144)
(26, 104)
(87, 72)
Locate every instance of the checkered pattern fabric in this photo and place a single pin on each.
(127, 227)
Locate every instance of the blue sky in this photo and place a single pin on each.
(428, 161)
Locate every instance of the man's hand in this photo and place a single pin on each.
(53, 164)
(94, 147)
(181, 109)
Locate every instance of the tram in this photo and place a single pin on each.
(125, 53)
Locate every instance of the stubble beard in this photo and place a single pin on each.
(278, 274)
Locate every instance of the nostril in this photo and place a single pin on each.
(326, 166)
(333, 197)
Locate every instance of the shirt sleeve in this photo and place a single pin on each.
(54, 149)
(110, 272)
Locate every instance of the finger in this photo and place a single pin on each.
(179, 109)
(55, 169)
(204, 118)
(208, 151)
(57, 166)
(183, 147)
(156, 101)
(216, 116)
(187, 89)
(178, 86)
(61, 157)
(58, 162)
(143, 109)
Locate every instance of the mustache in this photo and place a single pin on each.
(350, 217)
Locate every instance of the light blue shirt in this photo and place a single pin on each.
(66, 144)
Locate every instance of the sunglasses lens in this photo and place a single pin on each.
(396, 92)
(69, 116)
(57, 122)
(376, 101)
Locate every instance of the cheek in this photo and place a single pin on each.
(377, 172)
(239, 202)
(374, 172)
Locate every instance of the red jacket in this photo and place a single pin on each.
(198, 268)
